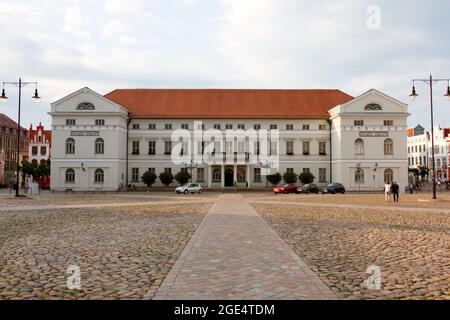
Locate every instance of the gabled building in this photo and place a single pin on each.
(39, 149)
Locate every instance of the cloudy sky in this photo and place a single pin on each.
(109, 44)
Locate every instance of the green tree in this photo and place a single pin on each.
(166, 178)
(28, 169)
(306, 177)
(423, 171)
(42, 170)
(274, 179)
(149, 178)
(183, 177)
(290, 177)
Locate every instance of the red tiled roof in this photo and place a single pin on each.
(228, 103)
(45, 133)
(7, 122)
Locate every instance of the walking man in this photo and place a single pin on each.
(395, 191)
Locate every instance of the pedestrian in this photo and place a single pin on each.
(387, 191)
(235, 186)
(411, 188)
(395, 191)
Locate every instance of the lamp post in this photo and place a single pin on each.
(267, 165)
(191, 165)
(414, 95)
(20, 84)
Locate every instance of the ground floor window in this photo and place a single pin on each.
(200, 174)
(241, 174)
(217, 175)
(257, 174)
(322, 175)
(359, 175)
(99, 176)
(70, 176)
(388, 176)
(135, 174)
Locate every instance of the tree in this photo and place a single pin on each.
(423, 171)
(306, 177)
(166, 178)
(274, 179)
(42, 170)
(28, 169)
(149, 178)
(290, 177)
(183, 177)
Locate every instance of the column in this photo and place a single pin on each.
(223, 176)
(235, 174)
(209, 176)
(248, 175)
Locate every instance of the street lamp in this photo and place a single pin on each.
(414, 95)
(192, 165)
(20, 84)
(267, 165)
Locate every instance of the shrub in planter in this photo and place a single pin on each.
(149, 178)
(183, 177)
(166, 178)
(306, 177)
(290, 177)
(274, 179)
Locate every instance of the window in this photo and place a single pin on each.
(184, 148)
(273, 148)
(358, 123)
(229, 126)
(134, 174)
(135, 147)
(185, 126)
(217, 175)
(229, 147)
(152, 170)
(70, 146)
(409, 150)
(257, 174)
(305, 148)
(257, 147)
(168, 170)
(168, 126)
(322, 175)
(306, 170)
(99, 176)
(99, 122)
(388, 123)
(322, 148)
(290, 148)
(257, 127)
(388, 147)
(217, 147)
(241, 174)
(289, 127)
(359, 147)
(152, 126)
(306, 127)
(241, 126)
(241, 147)
(99, 146)
(409, 161)
(152, 147)
(200, 174)
(70, 176)
(415, 149)
(43, 151)
(34, 151)
(70, 122)
(167, 147)
(290, 170)
(200, 147)
(388, 176)
(322, 127)
(136, 126)
(359, 175)
(273, 127)
(438, 163)
(217, 126)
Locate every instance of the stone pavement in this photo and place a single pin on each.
(234, 254)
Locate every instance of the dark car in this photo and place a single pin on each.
(309, 188)
(334, 188)
(286, 188)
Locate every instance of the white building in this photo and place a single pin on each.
(107, 142)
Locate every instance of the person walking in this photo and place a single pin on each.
(395, 191)
(387, 191)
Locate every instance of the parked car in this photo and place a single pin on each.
(189, 188)
(309, 188)
(334, 188)
(286, 188)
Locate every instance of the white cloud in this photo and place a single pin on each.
(74, 23)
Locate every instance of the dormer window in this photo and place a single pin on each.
(85, 106)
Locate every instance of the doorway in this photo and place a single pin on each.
(229, 177)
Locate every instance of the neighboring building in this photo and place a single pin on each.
(448, 157)
(39, 149)
(107, 142)
(8, 146)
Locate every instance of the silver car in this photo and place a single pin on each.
(189, 188)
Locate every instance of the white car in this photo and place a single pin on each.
(189, 188)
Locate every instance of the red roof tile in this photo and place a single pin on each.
(228, 103)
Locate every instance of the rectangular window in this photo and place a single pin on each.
(43, 151)
(99, 122)
(152, 147)
(152, 170)
(388, 123)
(257, 148)
(241, 147)
(290, 148)
(168, 126)
(200, 147)
(322, 175)
(136, 126)
(167, 147)
(289, 127)
(257, 127)
(134, 174)
(200, 174)
(241, 126)
(185, 126)
(135, 147)
(305, 148)
(273, 148)
(322, 127)
(34, 151)
(257, 174)
(273, 127)
(229, 126)
(359, 123)
(322, 148)
(70, 122)
(306, 127)
(306, 170)
(229, 147)
(216, 126)
(184, 148)
(290, 170)
(217, 148)
(168, 170)
(152, 126)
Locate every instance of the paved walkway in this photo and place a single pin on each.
(234, 254)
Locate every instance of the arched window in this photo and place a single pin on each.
(70, 146)
(99, 176)
(388, 176)
(217, 175)
(70, 176)
(359, 147)
(388, 147)
(99, 146)
(359, 175)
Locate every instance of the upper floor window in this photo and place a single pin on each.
(388, 147)
(70, 146)
(85, 106)
(229, 126)
(257, 127)
(168, 126)
(185, 126)
(135, 147)
(216, 126)
(388, 123)
(152, 147)
(289, 127)
(322, 148)
(136, 126)
(152, 126)
(241, 126)
(34, 151)
(322, 127)
(70, 122)
(305, 148)
(168, 147)
(359, 147)
(306, 127)
(43, 151)
(99, 122)
(273, 127)
(99, 146)
(359, 123)
(99, 176)
(290, 147)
